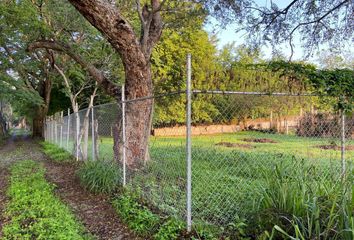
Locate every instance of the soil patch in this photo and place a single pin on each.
(235, 145)
(95, 211)
(335, 147)
(4, 175)
(259, 140)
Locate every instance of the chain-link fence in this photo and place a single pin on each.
(238, 140)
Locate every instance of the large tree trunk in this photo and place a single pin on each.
(3, 128)
(44, 90)
(38, 122)
(135, 54)
(138, 116)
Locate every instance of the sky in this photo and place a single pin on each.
(228, 35)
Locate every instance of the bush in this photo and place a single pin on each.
(100, 176)
(138, 217)
(56, 153)
(323, 125)
(171, 229)
(33, 210)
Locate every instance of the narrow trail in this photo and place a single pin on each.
(8, 155)
(94, 211)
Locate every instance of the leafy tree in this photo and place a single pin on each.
(333, 60)
(169, 67)
(134, 46)
(25, 22)
(28, 73)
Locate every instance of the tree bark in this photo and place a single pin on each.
(135, 53)
(3, 128)
(38, 121)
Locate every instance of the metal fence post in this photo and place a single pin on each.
(77, 131)
(93, 133)
(45, 129)
(123, 136)
(189, 144)
(342, 145)
(52, 138)
(55, 130)
(49, 129)
(68, 131)
(61, 128)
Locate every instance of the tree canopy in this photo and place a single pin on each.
(312, 22)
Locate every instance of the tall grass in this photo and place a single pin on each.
(100, 176)
(302, 203)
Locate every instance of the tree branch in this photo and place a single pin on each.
(110, 87)
(318, 19)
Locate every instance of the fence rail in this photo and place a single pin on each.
(213, 178)
(232, 170)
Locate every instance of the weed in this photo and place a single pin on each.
(138, 217)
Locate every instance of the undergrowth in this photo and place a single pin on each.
(100, 176)
(151, 225)
(300, 202)
(33, 210)
(56, 153)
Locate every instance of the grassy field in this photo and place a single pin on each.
(227, 181)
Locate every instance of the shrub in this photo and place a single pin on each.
(33, 210)
(56, 153)
(100, 176)
(323, 125)
(171, 229)
(138, 217)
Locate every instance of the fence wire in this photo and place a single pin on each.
(238, 142)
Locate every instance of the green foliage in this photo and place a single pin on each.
(171, 229)
(33, 210)
(233, 174)
(337, 83)
(56, 153)
(100, 176)
(303, 203)
(138, 217)
(168, 65)
(145, 223)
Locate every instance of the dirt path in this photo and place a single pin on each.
(3, 186)
(94, 211)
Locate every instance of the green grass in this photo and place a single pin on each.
(56, 153)
(33, 210)
(228, 179)
(229, 184)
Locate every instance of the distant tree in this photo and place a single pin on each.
(335, 60)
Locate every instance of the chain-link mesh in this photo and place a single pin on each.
(162, 179)
(238, 141)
